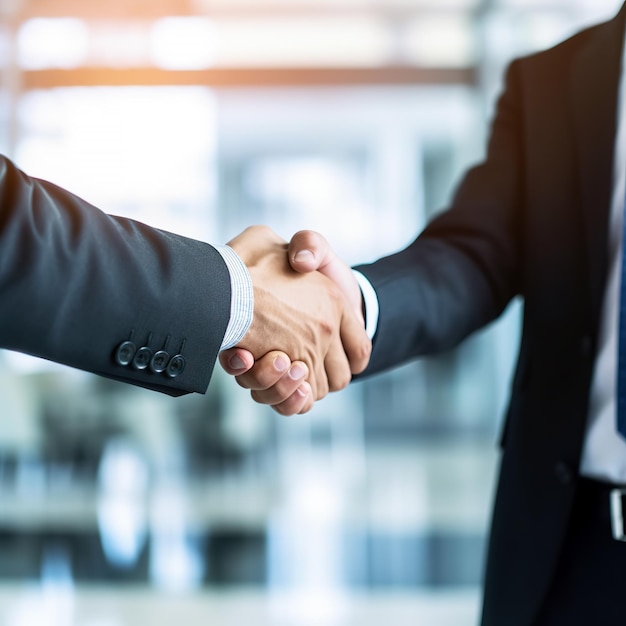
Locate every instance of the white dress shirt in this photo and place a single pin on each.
(604, 451)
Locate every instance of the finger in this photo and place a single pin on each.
(356, 343)
(266, 371)
(319, 379)
(257, 233)
(309, 251)
(284, 387)
(300, 401)
(309, 402)
(236, 361)
(337, 367)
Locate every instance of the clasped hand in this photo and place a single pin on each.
(307, 335)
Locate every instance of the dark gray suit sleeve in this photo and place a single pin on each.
(76, 283)
(462, 271)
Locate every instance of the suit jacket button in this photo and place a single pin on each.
(159, 361)
(563, 473)
(176, 366)
(142, 358)
(125, 353)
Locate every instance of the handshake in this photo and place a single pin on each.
(307, 335)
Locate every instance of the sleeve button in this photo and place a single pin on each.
(125, 353)
(158, 364)
(176, 366)
(142, 358)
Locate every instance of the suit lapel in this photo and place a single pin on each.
(594, 88)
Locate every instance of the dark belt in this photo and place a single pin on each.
(607, 500)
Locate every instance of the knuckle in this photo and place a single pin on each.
(363, 356)
(242, 382)
(290, 406)
(326, 327)
(322, 389)
(340, 382)
(266, 396)
(315, 388)
(261, 381)
(335, 293)
(306, 408)
(249, 381)
(260, 231)
(305, 237)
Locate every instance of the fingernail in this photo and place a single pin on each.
(236, 362)
(302, 256)
(297, 372)
(280, 364)
(302, 391)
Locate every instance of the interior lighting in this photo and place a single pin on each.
(183, 43)
(52, 43)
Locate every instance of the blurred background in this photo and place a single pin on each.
(120, 506)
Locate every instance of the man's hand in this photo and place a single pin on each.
(309, 251)
(273, 379)
(306, 317)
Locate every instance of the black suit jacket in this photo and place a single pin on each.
(530, 220)
(76, 283)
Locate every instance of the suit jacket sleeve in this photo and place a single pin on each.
(76, 283)
(461, 272)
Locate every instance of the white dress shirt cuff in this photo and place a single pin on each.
(241, 298)
(370, 304)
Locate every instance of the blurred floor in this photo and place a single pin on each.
(96, 606)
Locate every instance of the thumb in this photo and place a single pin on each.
(236, 361)
(309, 251)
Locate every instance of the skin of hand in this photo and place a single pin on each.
(303, 315)
(272, 379)
(309, 251)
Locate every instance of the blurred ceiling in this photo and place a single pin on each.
(56, 43)
(101, 9)
(238, 42)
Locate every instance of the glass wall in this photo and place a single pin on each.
(121, 506)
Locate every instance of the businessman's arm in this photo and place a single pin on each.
(118, 298)
(76, 283)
